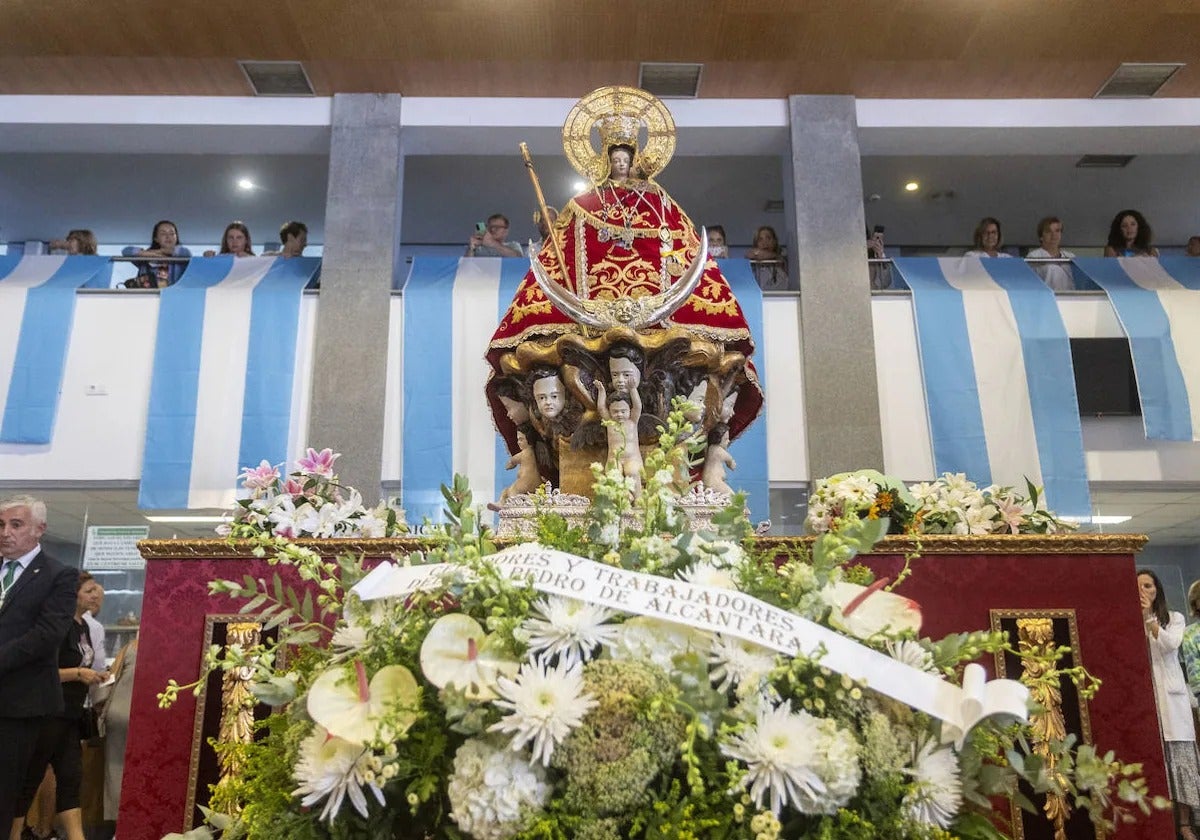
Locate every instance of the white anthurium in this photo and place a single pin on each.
(361, 712)
(867, 611)
(458, 652)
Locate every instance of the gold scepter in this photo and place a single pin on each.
(537, 188)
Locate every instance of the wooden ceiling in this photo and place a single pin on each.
(561, 48)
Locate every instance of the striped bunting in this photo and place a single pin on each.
(221, 387)
(451, 309)
(37, 294)
(750, 450)
(999, 385)
(1157, 303)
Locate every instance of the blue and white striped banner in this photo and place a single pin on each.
(451, 309)
(1158, 306)
(999, 385)
(37, 295)
(750, 450)
(221, 387)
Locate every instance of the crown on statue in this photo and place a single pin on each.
(619, 129)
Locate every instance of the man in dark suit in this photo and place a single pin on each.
(37, 605)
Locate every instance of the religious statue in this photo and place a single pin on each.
(622, 409)
(525, 462)
(716, 460)
(622, 291)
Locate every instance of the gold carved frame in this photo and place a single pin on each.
(1035, 629)
(236, 702)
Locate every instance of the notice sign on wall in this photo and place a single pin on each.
(114, 547)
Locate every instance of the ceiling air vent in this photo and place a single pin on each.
(674, 81)
(773, 205)
(1137, 81)
(277, 78)
(1104, 161)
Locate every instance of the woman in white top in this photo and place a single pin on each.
(1164, 632)
(988, 239)
(1055, 275)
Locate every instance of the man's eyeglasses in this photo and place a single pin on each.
(497, 227)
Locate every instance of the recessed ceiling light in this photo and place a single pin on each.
(245, 184)
(195, 520)
(912, 186)
(579, 186)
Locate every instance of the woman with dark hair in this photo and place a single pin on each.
(718, 248)
(1164, 633)
(155, 274)
(988, 239)
(1130, 235)
(235, 240)
(58, 742)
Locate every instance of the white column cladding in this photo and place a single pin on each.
(841, 398)
(362, 232)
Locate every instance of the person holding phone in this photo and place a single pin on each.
(488, 239)
(881, 273)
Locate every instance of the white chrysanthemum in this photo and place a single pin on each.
(545, 704)
(644, 639)
(334, 768)
(819, 520)
(936, 794)
(911, 653)
(799, 760)
(568, 629)
(491, 790)
(739, 663)
(705, 573)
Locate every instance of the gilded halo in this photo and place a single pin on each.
(618, 112)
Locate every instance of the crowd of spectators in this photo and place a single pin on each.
(163, 261)
(1130, 235)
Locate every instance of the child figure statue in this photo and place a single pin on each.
(528, 479)
(624, 409)
(716, 460)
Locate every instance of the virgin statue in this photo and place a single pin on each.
(622, 241)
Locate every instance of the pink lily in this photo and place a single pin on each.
(260, 477)
(318, 463)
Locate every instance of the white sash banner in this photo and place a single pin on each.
(730, 613)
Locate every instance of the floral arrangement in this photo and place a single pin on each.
(307, 503)
(949, 505)
(479, 707)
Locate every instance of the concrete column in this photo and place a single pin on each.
(362, 232)
(841, 395)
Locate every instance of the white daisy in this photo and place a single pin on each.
(545, 704)
(568, 629)
(803, 761)
(739, 663)
(334, 768)
(936, 794)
